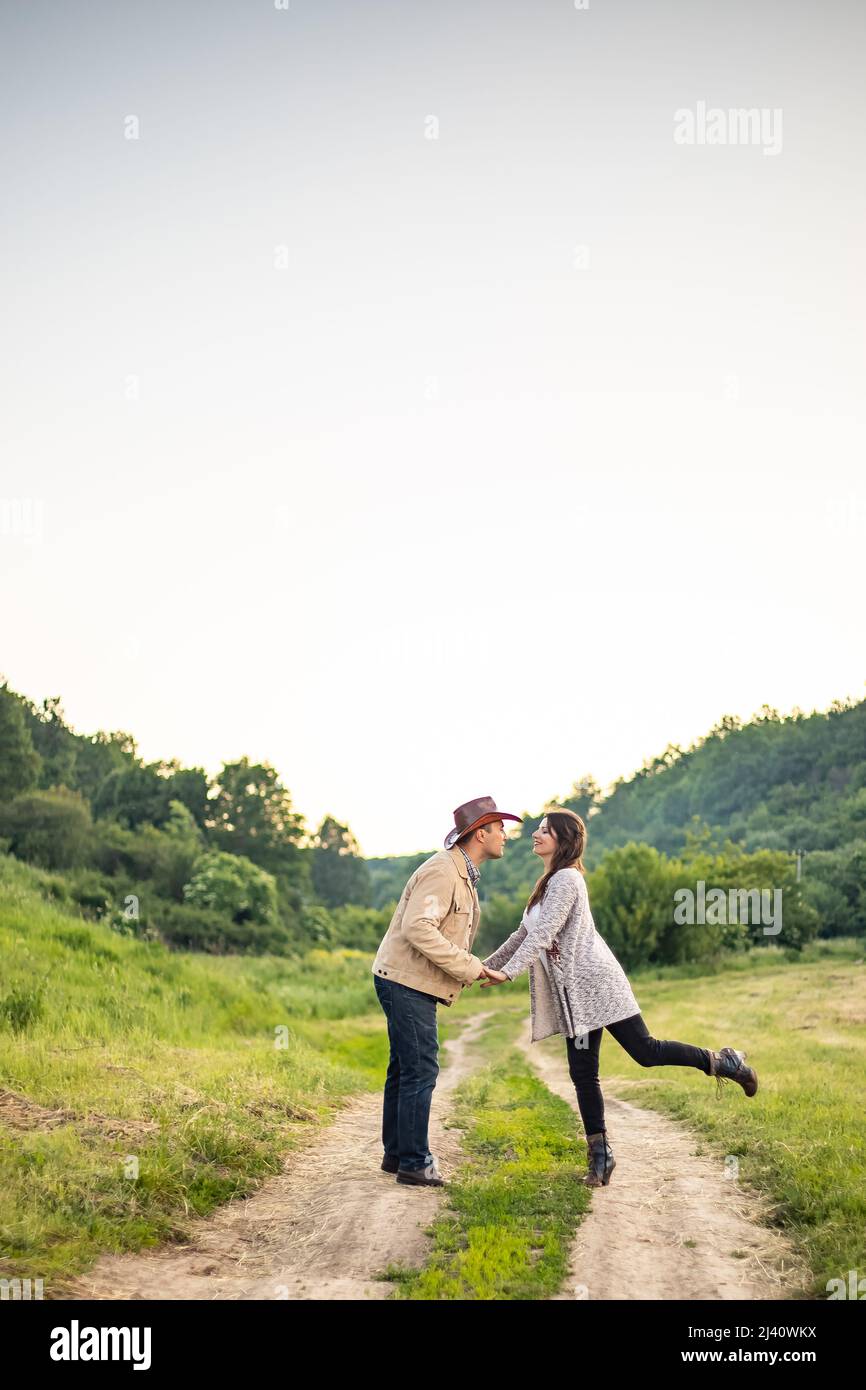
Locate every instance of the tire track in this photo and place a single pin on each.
(320, 1230)
(670, 1224)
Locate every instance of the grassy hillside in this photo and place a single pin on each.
(113, 1048)
(222, 864)
(777, 782)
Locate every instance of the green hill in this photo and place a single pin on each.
(777, 783)
(226, 864)
(204, 1070)
(221, 864)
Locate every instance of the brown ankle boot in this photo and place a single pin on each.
(730, 1065)
(600, 1161)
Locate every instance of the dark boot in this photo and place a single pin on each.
(422, 1177)
(600, 1161)
(730, 1065)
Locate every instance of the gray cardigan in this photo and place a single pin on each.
(576, 982)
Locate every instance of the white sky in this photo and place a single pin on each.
(432, 512)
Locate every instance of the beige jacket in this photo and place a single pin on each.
(427, 945)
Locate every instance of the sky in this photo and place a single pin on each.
(393, 394)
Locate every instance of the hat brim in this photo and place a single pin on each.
(487, 819)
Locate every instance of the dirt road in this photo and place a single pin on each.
(670, 1224)
(320, 1230)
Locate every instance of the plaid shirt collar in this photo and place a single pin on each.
(474, 872)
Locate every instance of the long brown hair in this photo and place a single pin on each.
(570, 832)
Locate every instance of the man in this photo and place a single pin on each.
(425, 959)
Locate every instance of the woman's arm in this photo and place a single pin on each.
(507, 949)
(561, 895)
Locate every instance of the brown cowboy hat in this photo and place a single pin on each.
(471, 814)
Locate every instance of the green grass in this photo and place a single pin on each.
(205, 1071)
(802, 1139)
(514, 1206)
(115, 1049)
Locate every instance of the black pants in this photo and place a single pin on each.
(632, 1034)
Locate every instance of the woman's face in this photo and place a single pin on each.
(543, 840)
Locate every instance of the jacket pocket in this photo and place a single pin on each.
(456, 927)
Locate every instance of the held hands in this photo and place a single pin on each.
(492, 977)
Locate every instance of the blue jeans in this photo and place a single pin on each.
(412, 1071)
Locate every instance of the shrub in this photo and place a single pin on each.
(165, 858)
(359, 928)
(233, 886)
(21, 1007)
(50, 828)
(189, 928)
(93, 893)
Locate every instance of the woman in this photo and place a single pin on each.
(578, 987)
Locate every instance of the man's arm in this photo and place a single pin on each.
(428, 903)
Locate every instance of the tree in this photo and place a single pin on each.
(98, 756)
(339, 873)
(55, 742)
(134, 794)
(190, 786)
(251, 814)
(584, 797)
(631, 899)
(19, 761)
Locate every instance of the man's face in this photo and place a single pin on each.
(494, 837)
